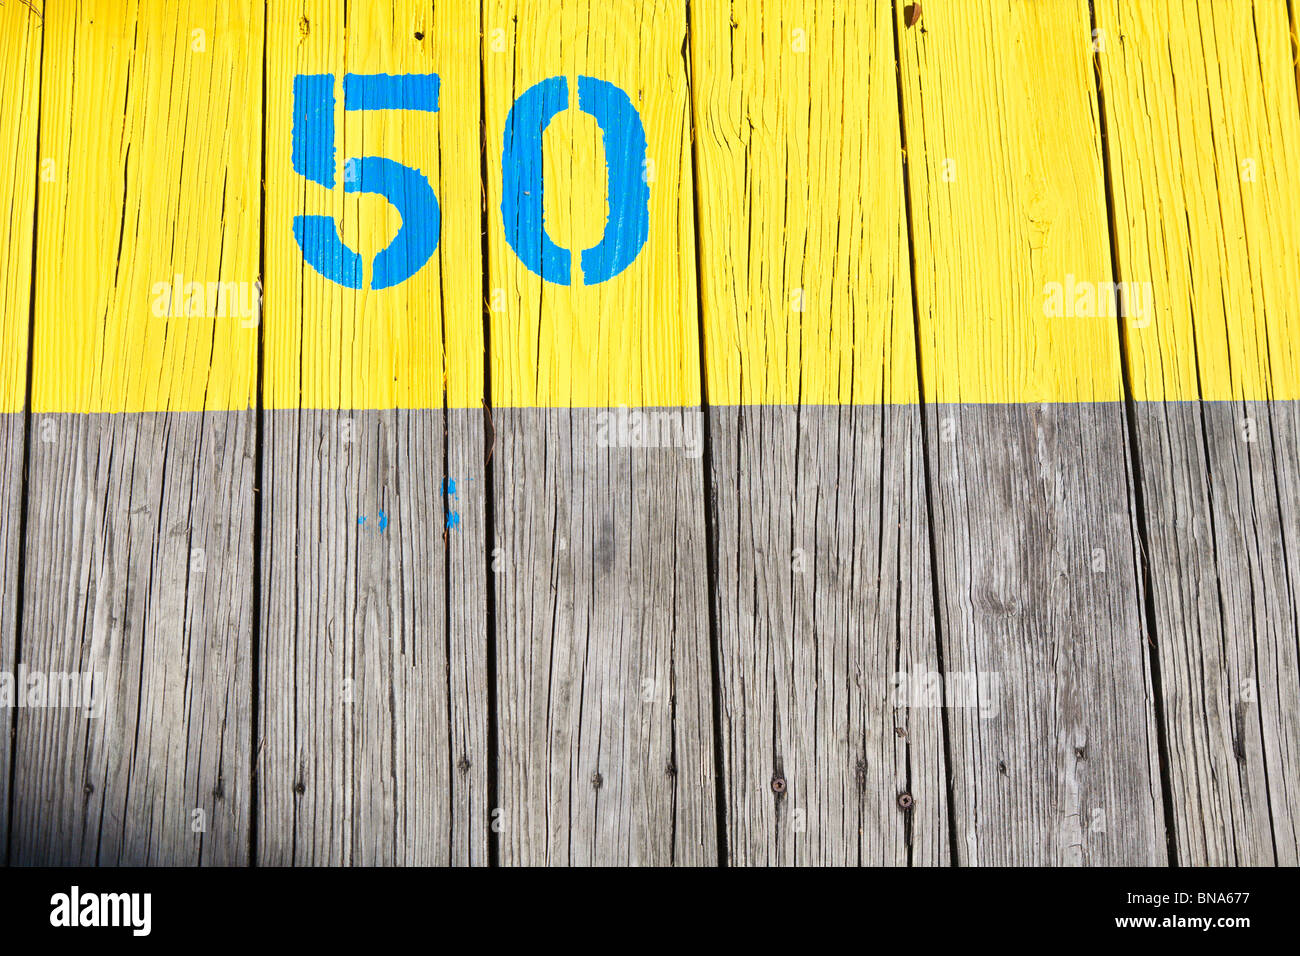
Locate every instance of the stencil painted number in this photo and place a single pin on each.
(404, 187)
(410, 193)
(521, 175)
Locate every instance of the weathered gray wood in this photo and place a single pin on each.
(1203, 137)
(138, 570)
(1222, 530)
(603, 662)
(20, 51)
(373, 712)
(823, 603)
(1036, 546)
(1278, 674)
(468, 639)
(11, 487)
(1032, 505)
(137, 555)
(823, 566)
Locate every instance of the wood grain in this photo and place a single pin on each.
(604, 686)
(11, 483)
(1220, 531)
(634, 339)
(139, 571)
(823, 592)
(824, 612)
(803, 237)
(1032, 505)
(333, 347)
(1204, 143)
(138, 553)
(603, 675)
(1007, 201)
(373, 705)
(1037, 567)
(929, 567)
(147, 196)
(373, 641)
(20, 86)
(20, 50)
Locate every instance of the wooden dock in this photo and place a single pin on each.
(793, 434)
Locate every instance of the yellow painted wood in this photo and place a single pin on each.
(634, 338)
(806, 287)
(150, 115)
(1007, 198)
(20, 52)
(331, 347)
(1204, 133)
(151, 151)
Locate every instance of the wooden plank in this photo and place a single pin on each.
(1033, 513)
(1038, 590)
(603, 670)
(20, 50)
(20, 43)
(633, 338)
(823, 574)
(1220, 532)
(374, 746)
(139, 541)
(139, 564)
(464, 493)
(604, 698)
(11, 474)
(824, 622)
(1204, 143)
(373, 652)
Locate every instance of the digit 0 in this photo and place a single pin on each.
(524, 185)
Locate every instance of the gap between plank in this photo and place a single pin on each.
(255, 661)
(925, 461)
(21, 584)
(1295, 42)
(709, 502)
(489, 443)
(1152, 648)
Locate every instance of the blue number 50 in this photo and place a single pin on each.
(409, 191)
